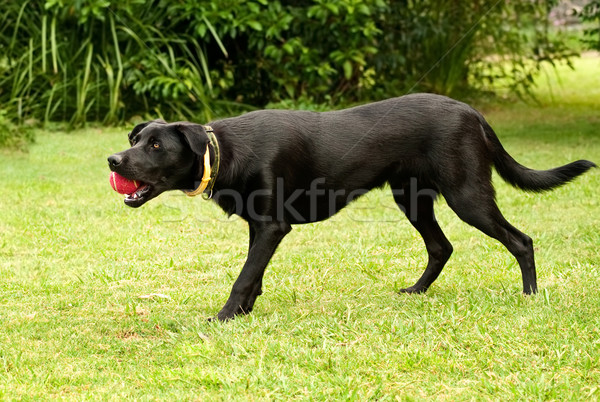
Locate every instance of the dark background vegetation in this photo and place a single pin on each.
(113, 60)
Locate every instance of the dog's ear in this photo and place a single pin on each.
(195, 136)
(136, 130)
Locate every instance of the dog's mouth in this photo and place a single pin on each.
(139, 196)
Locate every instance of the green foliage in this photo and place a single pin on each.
(110, 60)
(100, 60)
(468, 45)
(13, 135)
(591, 15)
(357, 50)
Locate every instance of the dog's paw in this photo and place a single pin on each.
(413, 290)
(227, 313)
(220, 318)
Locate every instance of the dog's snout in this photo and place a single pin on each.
(115, 160)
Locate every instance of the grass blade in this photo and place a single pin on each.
(44, 29)
(53, 45)
(215, 35)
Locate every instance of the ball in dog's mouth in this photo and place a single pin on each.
(133, 190)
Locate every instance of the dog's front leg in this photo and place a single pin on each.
(247, 287)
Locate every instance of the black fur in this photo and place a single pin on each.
(280, 168)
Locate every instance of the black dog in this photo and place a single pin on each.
(277, 168)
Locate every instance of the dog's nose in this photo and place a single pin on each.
(115, 160)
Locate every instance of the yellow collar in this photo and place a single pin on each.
(208, 175)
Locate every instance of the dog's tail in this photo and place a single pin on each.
(529, 179)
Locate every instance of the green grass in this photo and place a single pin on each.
(75, 261)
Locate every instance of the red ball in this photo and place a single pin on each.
(122, 185)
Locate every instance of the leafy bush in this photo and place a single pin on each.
(13, 135)
(100, 60)
(591, 15)
(469, 45)
(109, 60)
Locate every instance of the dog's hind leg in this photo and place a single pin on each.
(476, 206)
(417, 204)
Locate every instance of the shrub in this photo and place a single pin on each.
(590, 14)
(13, 135)
(109, 60)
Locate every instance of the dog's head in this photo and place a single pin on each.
(163, 156)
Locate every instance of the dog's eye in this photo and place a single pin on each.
(156, 145)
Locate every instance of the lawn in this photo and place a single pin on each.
(99, 301)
